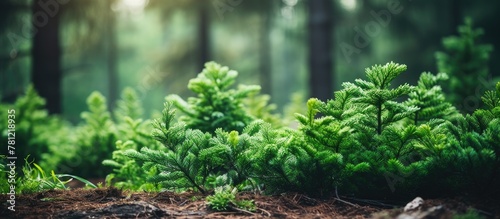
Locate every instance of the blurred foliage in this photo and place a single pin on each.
(465, 59)
(95, 139)
(158, 44)
(37, 134)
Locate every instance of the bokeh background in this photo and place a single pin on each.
(69, 48)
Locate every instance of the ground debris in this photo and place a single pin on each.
(125, 210)
(114, 203)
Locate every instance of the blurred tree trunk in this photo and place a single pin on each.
(265, 49)
(203, 35)
(112, 57)
(46, 56)
(456, 15)
(320, 49)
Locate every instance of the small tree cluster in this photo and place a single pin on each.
(371, 139)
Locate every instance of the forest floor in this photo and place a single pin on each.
(114, 203)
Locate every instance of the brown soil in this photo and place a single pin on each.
(114, 203)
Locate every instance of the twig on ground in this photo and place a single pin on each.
(263, 210)
(241, 210)
(345, 202)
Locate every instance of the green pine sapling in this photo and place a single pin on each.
(95, 139)
(179, 163)
(456, 148)
(129, 105)
(377, 97)
(30, 118)
(217, 104)
(229, 154)
(430, 100)
(466, 62)
(134, 133)
(225, 199)
(369, 127)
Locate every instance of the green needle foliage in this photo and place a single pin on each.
(179, 164)
(128, 106)
(217, 104)
(430, 100)
(257, 105)
(377, 98)
(37, 134)
(127, 173)
(229, 155)
(465, 59)
(225, 199)
(95, 139)
(370, 140)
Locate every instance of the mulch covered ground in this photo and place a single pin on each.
(114, 203)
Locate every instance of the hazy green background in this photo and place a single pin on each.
(158, 43)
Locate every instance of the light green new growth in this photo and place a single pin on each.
(225, 199)
(430, 100)
(377, 98)
(217, 105)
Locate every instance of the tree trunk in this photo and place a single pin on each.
(203, 36)
(265, 50)
(320, 49)
(112, 58)
(46, 56)
(456, 15)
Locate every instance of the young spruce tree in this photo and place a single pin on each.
(430, 100)
(465, 59)
(95, 139)
(457, 149)
(178, 164)
(134, 133)
(217, 104)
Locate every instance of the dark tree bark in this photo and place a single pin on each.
(46, 53)
(320, 49)
(203, 36)
(265, 50)
(112, 58)
(456, 14)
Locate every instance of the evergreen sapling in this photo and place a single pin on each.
(217, 104)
